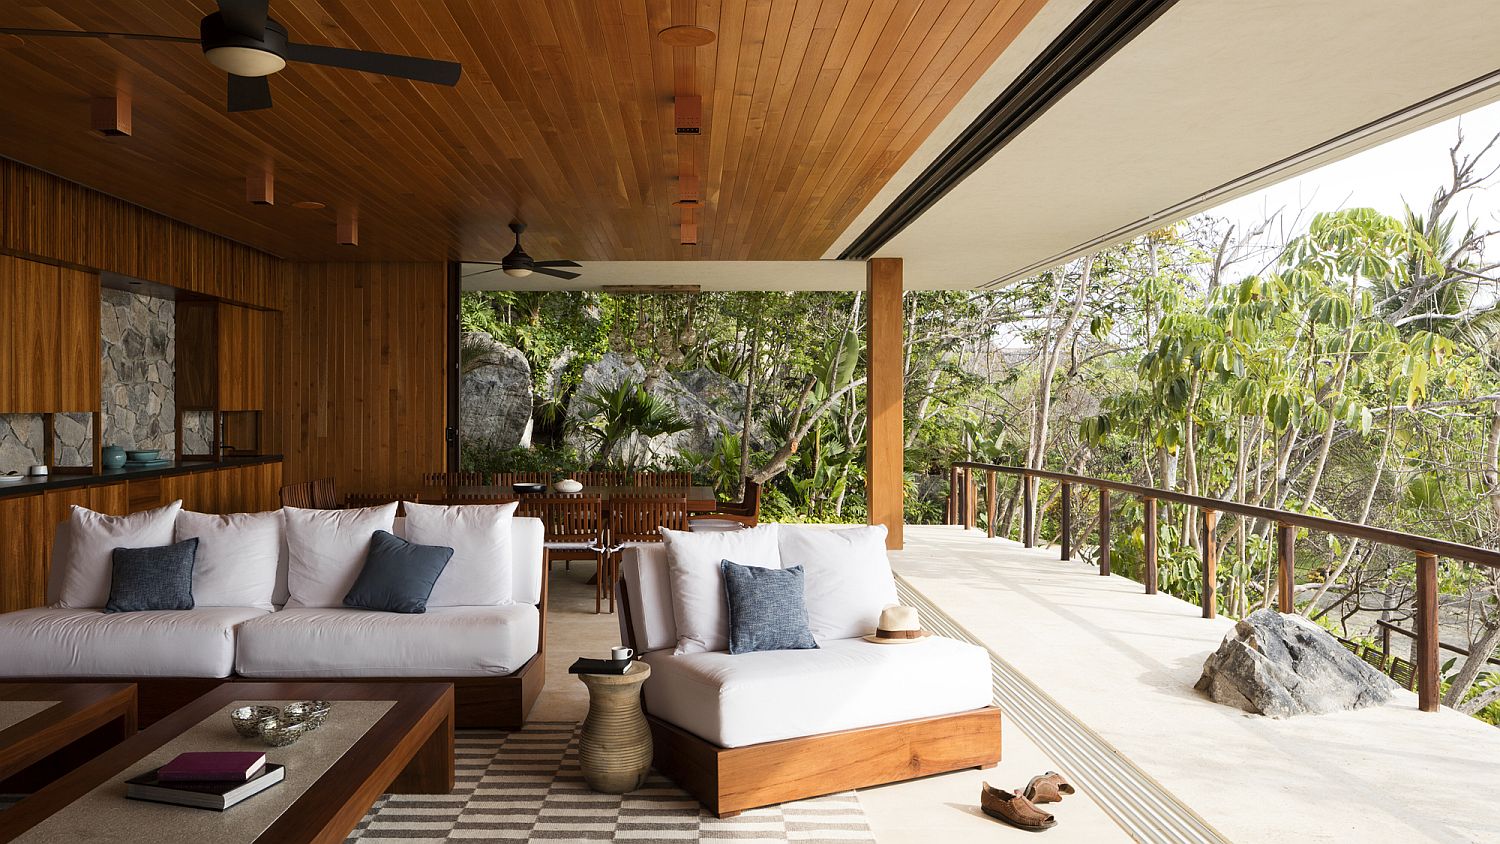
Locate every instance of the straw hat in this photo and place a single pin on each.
(899, 625)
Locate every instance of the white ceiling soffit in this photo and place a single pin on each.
(707, 275)
(1214, 100)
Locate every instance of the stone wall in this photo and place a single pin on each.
(140, 359)
(20, 441)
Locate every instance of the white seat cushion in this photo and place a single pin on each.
(744, 699)
(89, 643)
(442, 642)
(712, 525)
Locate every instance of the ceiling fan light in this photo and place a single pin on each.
(244, 61)
(517, 272)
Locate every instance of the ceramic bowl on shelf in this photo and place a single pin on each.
(247, 719)
(112, 457)
(142, 455)
(12, 477)
(567, 486)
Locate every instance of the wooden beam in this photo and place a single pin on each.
(111, 115)
(886, 452)
(1286, 567)
(348, 226)
(1210, 565)
(1148, 543)
(260, 186)
(1429, 672)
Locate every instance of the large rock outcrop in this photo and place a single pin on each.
(707, 418)
(494, 406)
(1281, 665)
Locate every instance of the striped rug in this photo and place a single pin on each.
(527, 785)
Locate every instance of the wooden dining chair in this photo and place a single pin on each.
(505, 479)
(605, 478)
(310, 495)
(635, 521)
(668, 479)
(447, 479)
(729, 515)
(356, 500)
(574, 530)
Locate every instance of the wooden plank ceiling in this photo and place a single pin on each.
(563, 119)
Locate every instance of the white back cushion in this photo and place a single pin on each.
(238, 557)
(326, 550)
(847, 577)
(643, 569)
(526, 536)
(85, 547)
(479, 572)
(698, 603)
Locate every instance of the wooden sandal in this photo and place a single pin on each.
(1014, 809)
(1047, 788)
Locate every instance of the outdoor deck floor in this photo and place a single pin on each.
(1123, 664)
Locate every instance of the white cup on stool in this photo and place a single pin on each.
(621, 653)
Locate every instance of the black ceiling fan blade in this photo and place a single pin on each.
(386, 64)
(557, 264)
(249, 93)
(493, 269)
(496, 263)
(80, 33)
(244, 17)
(556, 273)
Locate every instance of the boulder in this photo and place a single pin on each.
(494, 407)
(1281, 665)
(708, 423)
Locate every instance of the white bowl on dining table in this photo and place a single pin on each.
(567, 486)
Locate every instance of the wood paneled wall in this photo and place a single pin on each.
(362, 374)
(45, 217)
(49, 342)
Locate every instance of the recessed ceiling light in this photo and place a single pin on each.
(11, 42)
(686, 36)
(308, 204)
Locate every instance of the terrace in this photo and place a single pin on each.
(235, 312)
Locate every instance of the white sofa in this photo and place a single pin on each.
(491, 653)
(719, 718)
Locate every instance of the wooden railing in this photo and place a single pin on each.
(963, 504)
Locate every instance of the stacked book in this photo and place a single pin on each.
(206, 780)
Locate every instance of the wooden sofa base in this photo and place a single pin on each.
(495, 703)
(730, 780)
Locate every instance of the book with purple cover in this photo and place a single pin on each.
(218, 796)
(225, 766)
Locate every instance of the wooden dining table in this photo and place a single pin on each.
(700, 499)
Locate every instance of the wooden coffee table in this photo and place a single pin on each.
(380, 738)
(61, 723)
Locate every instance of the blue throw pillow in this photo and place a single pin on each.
(156, 578)
(398, 575)
(766, 609)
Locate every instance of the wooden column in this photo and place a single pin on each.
(990, 498)
(886, 453)
(1067, 521)
(1210, 565)
(1028, 509)
(971, 501)
(1286, 566)
(1429, 683)
(1148, 549)
(1103, 533)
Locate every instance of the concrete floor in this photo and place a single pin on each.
(941, 808)
(1124, 664)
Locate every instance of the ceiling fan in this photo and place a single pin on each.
(241, 39)
(517, 264)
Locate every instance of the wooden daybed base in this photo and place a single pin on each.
(730, 780)
(495, 703)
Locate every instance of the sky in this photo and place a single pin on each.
(1406, 169)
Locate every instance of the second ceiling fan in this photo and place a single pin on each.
(243, 40)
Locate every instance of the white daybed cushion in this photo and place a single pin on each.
(442, 642)
(237, 560)
(698, 603)
(90, 643)
(847, 577)
(744, 699)
(326, 550)
(479, 573)
(85, 549)
(648, 590)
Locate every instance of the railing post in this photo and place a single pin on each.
(971, 505)
(1210, 565)
(1028, 509)
(1149, 545)
(952, 514)
(1103, 532)
(1067, 521)
(1286, 566)
(1429, 684)
(989, 501)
